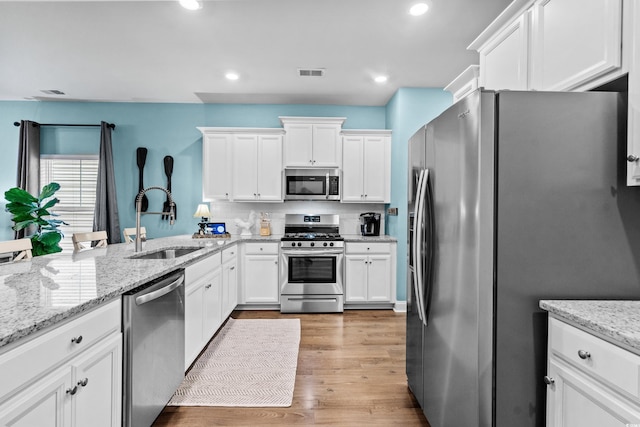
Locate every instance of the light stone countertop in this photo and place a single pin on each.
(616, 321)
(45, 290)
(383, 238)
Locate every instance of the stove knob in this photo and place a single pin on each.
(293, 243)
(299, 244)
(324, 244)
(331, 244)
(313, 244)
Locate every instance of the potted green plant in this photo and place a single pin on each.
(28, 210)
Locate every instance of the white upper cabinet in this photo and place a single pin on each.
(552, 45)
(504, 59)
(366, 171)
(257, 167)
(216, 166)
(243, 164)
(312, 141)
(574, 41)
(633, 130)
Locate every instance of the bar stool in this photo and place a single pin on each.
(22, 246)
(99, 236)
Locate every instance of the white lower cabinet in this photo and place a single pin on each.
(66, 383)
(229, 281)
(369, 273)
(203, 305)
(590, 382)
(260, 274)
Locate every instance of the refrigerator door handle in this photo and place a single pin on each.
(422, 186)
(430, 207)
(415, 243)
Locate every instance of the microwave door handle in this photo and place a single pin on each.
(326, 188)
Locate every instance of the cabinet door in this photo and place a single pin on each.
(245, 167)
(229, 287)
(503, 61)
(98, 374)
(216, 167)
(355, 279)
(193, 313)
(44, 404)
(633, 132)
(212, 305)
(575, 41)
(574, 400)
(297, 145)
(353, 169)
(379, 278)
(326, 145)
(269, 182)
(374, 176)
(260, 279)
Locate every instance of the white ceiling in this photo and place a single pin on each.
(156, 51)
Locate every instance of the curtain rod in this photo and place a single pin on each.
(111, 125)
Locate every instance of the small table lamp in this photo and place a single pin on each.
(202, 211)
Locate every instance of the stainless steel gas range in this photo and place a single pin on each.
(312, 265)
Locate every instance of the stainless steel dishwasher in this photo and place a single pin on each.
(153, 322)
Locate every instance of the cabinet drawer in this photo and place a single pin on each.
(612, 364)
(30, 360)
(261, 248)
(229, 253)
(194, 271)
(368, 248)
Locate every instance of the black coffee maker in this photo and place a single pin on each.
(370, 224)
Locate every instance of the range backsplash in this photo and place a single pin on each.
(227, 212)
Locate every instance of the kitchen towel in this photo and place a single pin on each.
(250, 363)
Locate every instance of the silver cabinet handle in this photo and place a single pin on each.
(631, 158)
(207, 286)
(72, 391)
(584, 355)
(548, 380)
(77, 340)
(83, 382)
(232, 268)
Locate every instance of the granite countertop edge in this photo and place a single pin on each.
(618, 321)
(117, 257)
(115, 260)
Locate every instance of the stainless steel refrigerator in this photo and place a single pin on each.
(513, 197)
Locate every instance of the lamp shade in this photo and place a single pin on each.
(203, 211)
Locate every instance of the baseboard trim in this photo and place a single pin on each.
(400, 307)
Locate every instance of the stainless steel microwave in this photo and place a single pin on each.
(312, 184)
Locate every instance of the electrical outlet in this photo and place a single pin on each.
(392, 211)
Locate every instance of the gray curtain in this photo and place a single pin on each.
(106, 209)
(28, 164)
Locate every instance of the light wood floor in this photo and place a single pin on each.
(351, 372)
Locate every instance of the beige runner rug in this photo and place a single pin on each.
(251, 362)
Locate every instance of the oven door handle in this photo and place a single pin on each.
(143, 299)
(316, 252)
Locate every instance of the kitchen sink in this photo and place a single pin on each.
(166, 253)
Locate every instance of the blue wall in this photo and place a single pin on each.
(409, 109)
(170, 129)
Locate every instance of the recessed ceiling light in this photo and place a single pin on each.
(191, 4)
(419, 9)
(232, 76)
(380, 79)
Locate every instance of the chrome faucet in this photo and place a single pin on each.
(139, 212)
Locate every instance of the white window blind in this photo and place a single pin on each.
(77, 176)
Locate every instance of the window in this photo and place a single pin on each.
(77, 176)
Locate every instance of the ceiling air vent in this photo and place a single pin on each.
(53, 92)
(311, 72)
